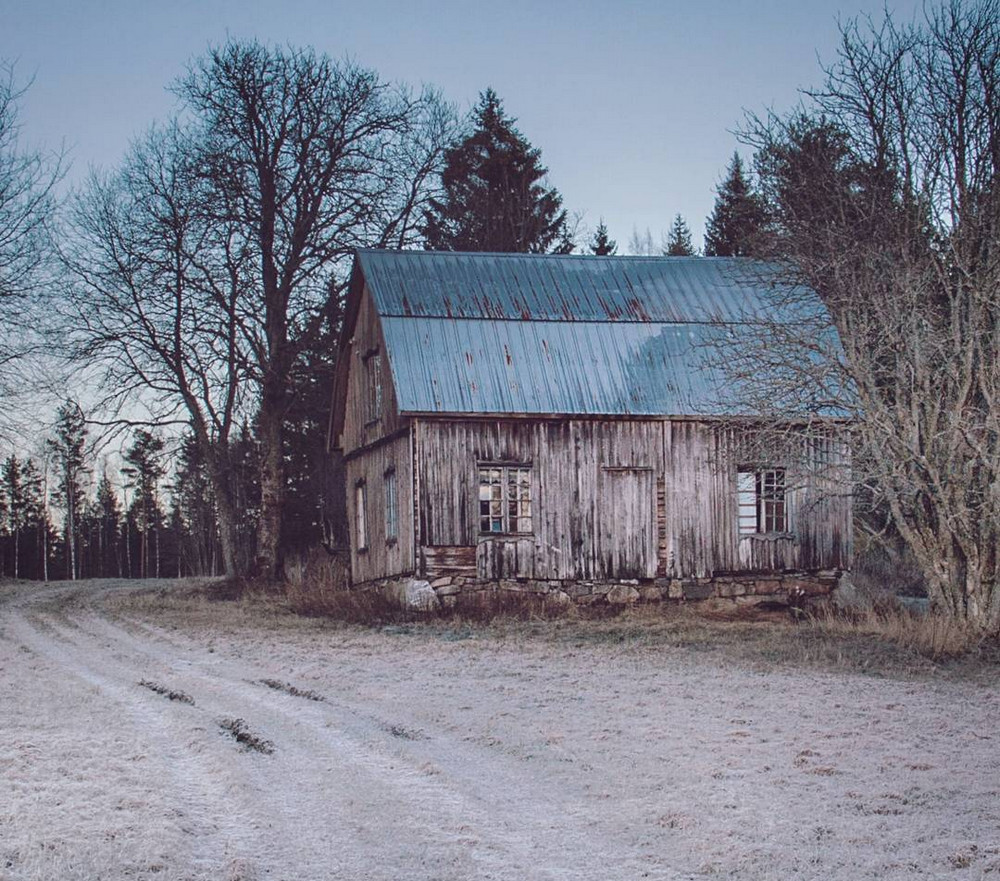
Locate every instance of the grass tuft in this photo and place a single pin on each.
(239, 731)
(168, 693)
(288, 688)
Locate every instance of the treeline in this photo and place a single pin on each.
(64, 515)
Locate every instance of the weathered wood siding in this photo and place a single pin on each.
(384, 557)
(616, 499)
(359, 430)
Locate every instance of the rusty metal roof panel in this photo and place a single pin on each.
(435, 284)
(552, 367)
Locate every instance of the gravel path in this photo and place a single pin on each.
(408, 756)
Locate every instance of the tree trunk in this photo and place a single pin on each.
(219, 474)
(272, 492)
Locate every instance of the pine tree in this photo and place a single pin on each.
(603, 245)
(145, 470)
(67, 447)
(109, 518)
(193, 518)
(38, 532)
(495, 197)
(738, 222)
(16, 508)
(679, 239)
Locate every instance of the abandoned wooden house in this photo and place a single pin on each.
(552, 424)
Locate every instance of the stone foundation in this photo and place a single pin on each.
(742, 589)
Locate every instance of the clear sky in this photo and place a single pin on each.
(631, 103)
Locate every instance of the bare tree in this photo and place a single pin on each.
(206, 266)
(27, 180)
(885, 192)
(156, 303)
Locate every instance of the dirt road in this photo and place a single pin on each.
(403, 755)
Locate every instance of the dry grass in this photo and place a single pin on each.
(241, 733)
(883, 640)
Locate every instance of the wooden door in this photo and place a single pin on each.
(628, 523)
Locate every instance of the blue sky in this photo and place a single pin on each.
(631, 103)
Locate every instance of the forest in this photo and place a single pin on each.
(194, 294)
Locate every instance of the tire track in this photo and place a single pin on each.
(341, 797)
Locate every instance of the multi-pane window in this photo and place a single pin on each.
(761, 501)
(504, 499)
(391, 504)
(373, 369)
(361, 514)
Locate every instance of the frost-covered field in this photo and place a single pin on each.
(440, 758)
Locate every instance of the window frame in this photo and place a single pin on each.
(761, 501)
(390, 489)
(361, 532)
(375, 394)
(501, 508)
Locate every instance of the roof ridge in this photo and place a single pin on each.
(522, 255)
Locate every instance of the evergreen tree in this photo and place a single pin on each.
(738, 222)
(109, 525)
(495, 197)
(315, 503)
(603, 245)
(38, 532)
(679, 239)
(15, 497)
(145, 470)
(67, 447)
(193, 516)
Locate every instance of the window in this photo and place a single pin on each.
(373, 369)
(762, 501)
(361, 514)
(504, 499)
(391, 505)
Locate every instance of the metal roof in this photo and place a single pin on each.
(565, 367)
(516, 333)
(439, 284)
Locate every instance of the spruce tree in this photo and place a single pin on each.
(39, 533)
(16, 508)
(603, 245)
(109, 516)
(495, 197)
(679, 239)
(738, 221)
(145, 470)
(67, 446)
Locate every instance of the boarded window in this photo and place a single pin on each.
(761, 501)
(391, 505)
(505, 499)
(373, 369)
(361, 515)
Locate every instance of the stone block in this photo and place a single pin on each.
(768, 585)
(698, 590)
(650, 593)
(413, 593)
(732, 589)
(448, 590)
(622, 594)
(442, 582)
